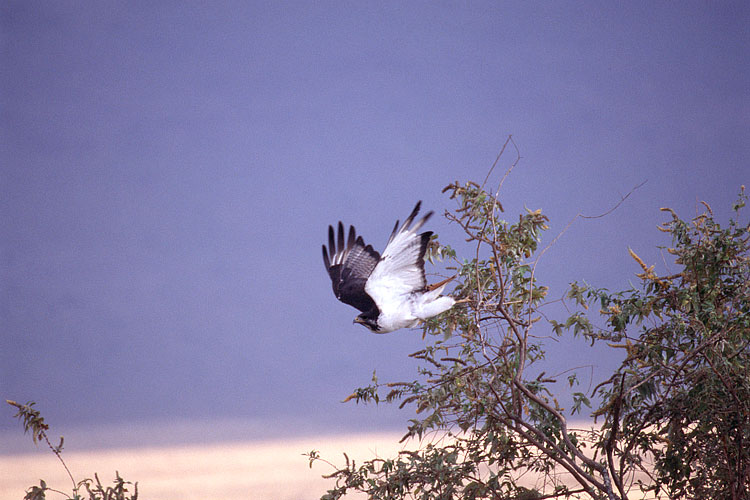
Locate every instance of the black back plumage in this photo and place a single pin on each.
(349, 263)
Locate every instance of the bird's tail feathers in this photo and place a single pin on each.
(431, 303)
(438, 304)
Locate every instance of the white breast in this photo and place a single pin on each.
(398, 314)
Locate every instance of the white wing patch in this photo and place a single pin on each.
(398, 271)
(399, 274)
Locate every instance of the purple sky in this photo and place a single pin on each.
(168, 172)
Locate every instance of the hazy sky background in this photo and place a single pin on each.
(169, 170)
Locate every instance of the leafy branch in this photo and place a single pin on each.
(675, 416)
(34, 423)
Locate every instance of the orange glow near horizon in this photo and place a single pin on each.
(274, 469)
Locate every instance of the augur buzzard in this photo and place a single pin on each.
(389, 289)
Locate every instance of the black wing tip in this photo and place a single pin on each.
(410, 219)
(406, 226)
(331, 241)
(423, 244)
(326, 260)
(350, 240)
(413, 214)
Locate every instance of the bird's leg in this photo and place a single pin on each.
(435, 286)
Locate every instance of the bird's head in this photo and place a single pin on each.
(369, 322)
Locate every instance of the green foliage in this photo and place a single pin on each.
(674, 420)
(34, 423)
(683, 392)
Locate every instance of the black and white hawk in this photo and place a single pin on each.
(390, 289)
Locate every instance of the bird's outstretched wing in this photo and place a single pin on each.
(400, 270)
(349, 264)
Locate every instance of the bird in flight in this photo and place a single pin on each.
(390, 289)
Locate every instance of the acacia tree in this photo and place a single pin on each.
(674, 418)
(682, 395)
